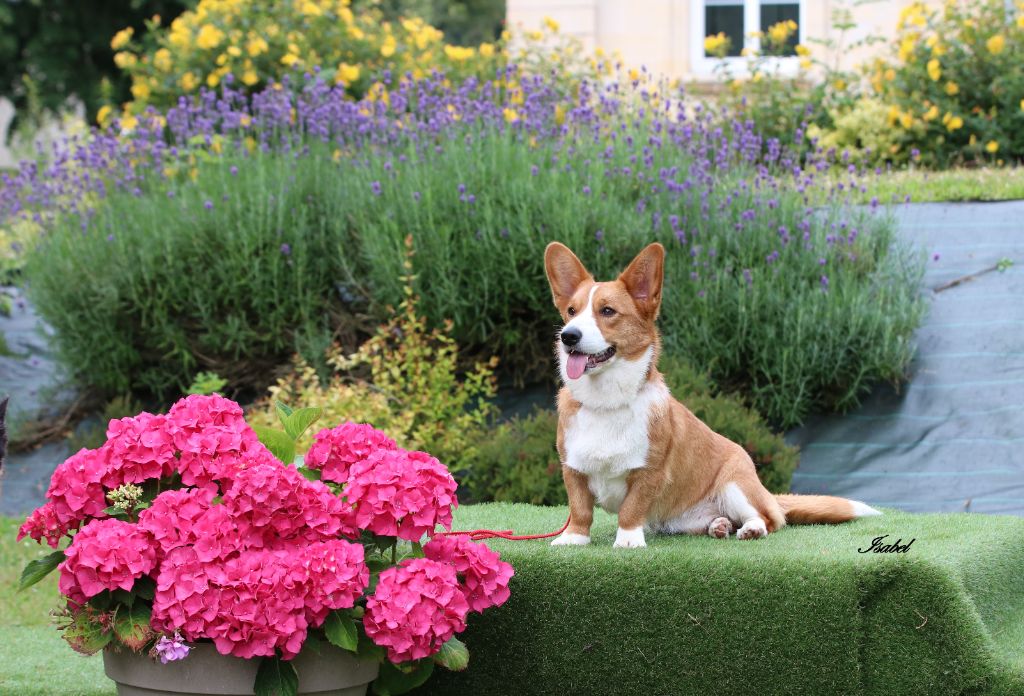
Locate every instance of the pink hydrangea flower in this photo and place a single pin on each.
(184, 599)
(137, 449)
(335, 577)
(416, 607)
(105, 555)
(483, 574)
(172, 517)
(76, 492)
(270, 501)
(43, 523)
(335, 450)
(213, 439)
(399, 493)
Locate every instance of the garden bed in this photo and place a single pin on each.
(801, 612)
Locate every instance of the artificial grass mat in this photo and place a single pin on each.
(801, 612)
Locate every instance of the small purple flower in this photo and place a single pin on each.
(233, 170)
(915, 154)
(586, 190)
(171, 649)
(375, 187)
(935, 257)
(208, 205)
(599, 235)
(822, 261)
(462, 189)
(110, 238)
(534, 170)
(824, 282)
(286, 249)
(416, 196)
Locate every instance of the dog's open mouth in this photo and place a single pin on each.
(579, 362)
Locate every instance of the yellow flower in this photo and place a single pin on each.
(103, 115)
(188, 81)
(996, 44)
(311, 9)
(559, 114)
(952, 88)
(209, 37)
(1022, 104)
(458, 53)
(839, 84)
(992, 146)
(250, 77)
(387, 49)
(551, 24)
(256, 46)
(802, 50)
(1020, 20)
(289, 59)
(779, 33)
(716, 44)
(128, 123)
(890, 74)
(347, 73)
(954, 123)
(162, 60)
(213, 79)
(245, 121)
(140, 91)
(121, 39)
(634, 75)
(934, 69)
(510, 115)
(486, 50)
(805, 63)
(234, 51)
(931, 114)
(124, 59)
(907, 120)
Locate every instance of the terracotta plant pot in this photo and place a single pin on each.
(331, 672)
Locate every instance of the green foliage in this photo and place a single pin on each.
(206, 383)
(464, 22)
(727, 415)
(39, 568)
(276, 677)
(93, 434)
(64, 46)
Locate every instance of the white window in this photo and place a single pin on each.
(739, 20)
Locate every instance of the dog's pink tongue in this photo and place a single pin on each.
(576, 365)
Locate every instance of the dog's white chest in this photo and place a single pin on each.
(606, 444)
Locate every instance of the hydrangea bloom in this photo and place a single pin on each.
(269, 501)
(484, 575)
(213, 438)
(137, 449)
(76, 492)
(415, 609)
(399, 493)
(335, 577)
(43, 523)
(172, 517)
(335, 450)
(105, 555)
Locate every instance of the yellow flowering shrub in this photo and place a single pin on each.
(258, 42)
(404, 380)
(954, 81)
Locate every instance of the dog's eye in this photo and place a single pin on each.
(571, 312)
(607, 311)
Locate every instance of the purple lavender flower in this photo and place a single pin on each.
(286, 249)
(824, 282)
(171, 649)
(233, 170)
(416, 196)
(533, 170)
(935, 257)
(208, 204)
(375, 187)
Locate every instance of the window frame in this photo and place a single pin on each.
(703, 66)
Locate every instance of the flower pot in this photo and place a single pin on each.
(329, 672)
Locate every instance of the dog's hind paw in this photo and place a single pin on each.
(571, 539)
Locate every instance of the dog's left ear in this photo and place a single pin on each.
(643, 279)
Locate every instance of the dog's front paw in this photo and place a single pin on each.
(752, 529)
(629, 538)
(720, 528)
(571, 539)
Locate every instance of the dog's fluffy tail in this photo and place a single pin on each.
(822, 509)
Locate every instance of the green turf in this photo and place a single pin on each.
(923, 186)
(800, 613)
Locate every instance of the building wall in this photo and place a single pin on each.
(657, 33)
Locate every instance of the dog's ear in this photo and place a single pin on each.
(565, 272)
(643, 279)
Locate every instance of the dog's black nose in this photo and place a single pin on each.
(571, 336)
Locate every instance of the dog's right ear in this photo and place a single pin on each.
(565, 273)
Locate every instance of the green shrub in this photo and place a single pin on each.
(516, 461)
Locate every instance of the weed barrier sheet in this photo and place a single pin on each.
(952, 438)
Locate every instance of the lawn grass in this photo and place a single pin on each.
(800, 613)
(923, 186)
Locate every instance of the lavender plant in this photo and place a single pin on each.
(223, 233)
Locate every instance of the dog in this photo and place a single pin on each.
(626, 445)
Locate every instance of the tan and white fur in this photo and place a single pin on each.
(627, 445)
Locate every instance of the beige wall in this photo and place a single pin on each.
(657, 33)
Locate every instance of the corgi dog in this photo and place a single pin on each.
(626, 445)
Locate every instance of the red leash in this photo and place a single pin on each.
(479, 534)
